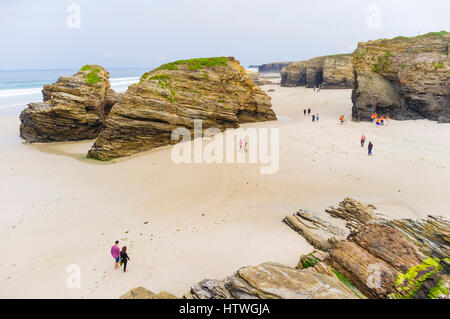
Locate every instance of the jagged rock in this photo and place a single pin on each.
(403, 78)
(215, 90)
(363, 269)
(388, 244)
(74, 108)
(382, 257)
(275, 67)
(273, 281)
(332, 72)
(319, 229)
(430, 235)
(354, 212)
(142, 293)
(312, 259)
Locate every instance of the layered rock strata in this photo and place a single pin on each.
(73, 108)
(403, 78)
(332, 72)
(214, 90)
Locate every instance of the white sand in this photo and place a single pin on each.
(57, 208)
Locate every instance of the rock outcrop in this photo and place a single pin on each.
(214, 90)
(142, 293)
(382, 258)
(73, 108)
(274, 67)
(403, 78)
(274, 281)
(255, 77)
(332, 72)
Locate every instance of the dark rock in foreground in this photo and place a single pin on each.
(74, 108)
(383, 258)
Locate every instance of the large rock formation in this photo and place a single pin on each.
(274, 67)
(74, 108)
(333, 72)
(404, 78)
(273, 281)
(381, 257)
(214, 90)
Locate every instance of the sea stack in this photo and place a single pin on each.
(214, 90)
(403, 78)
(73, 108)
(332, 72)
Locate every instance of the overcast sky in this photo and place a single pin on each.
(41, 34)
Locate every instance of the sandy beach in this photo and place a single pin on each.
(183, 223)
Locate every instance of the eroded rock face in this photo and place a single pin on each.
(273, 281)
(403, 78)
(74, 108)
(333, 72)
(383, 258)
(215, 90)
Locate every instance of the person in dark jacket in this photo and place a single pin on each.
(124, 258)
(370, 147)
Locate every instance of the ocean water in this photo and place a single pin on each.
(20, 87)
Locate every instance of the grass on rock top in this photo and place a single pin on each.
(92, 77)
(196, 64)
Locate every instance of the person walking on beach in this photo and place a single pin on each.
(363, 140)
(304, 112)
(378, 121)
(245, 145)
(115, 252)
(309, 111)
(382, 120)
(317, 117)
(124, 258)
(240, 144)
(313, 118)
(370, 148)
(342, 119)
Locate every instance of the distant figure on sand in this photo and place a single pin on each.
(245, 145)
(240, 144)
(309, 112)
(382, 120)
(370, 148)
(378, 122)
(304, 112)
(363, 140)
(115, 252)
(342, 119)
(313, 118)
(314, 88)
(124, 258)
(317, 117)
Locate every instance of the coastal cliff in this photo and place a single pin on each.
(403, 78)
(73, 108)
(333, 72)
(214, 90)
(274, 67)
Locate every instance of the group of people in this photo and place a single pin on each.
(315, 117)
(317, 88)
(369, 147)
(120, 256)
(379, 120)
(243, 145)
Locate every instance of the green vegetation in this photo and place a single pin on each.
(409, 284)
(196, 64)
(310, 261)
(221, 101)
(437, 290)
(346, 282)
(92, 77)
(383, 62)
(164, 83)
(439, 65)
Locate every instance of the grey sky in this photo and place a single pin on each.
(137, 33)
